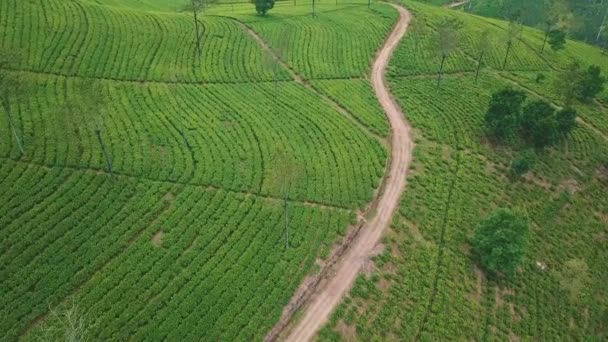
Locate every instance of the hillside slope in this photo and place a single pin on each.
(188, 239)
(426, 285)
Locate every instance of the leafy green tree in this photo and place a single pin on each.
(448, 41)
(523, 163)
(573, 277)
(567, 84)
(263, 6)
(484, 45)
(539, 125)
(500, 241)
(556, 18)
(504, 112)
(574, 83)
(566, 121)
(591, 83)
(557, 39)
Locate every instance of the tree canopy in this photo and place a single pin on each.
(500, 241)
(504, 111)
(263, 6)
(537, 122)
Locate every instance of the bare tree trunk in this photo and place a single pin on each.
(443, 58)
(504, 64)
(7, 109)
(105, 151)
(198, 37)
(545, 40)
(602, 26)
(478, 66)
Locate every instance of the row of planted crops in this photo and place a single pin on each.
(190, 239)
(426, 285)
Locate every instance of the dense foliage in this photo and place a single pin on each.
(263, 6)
(500, 241)
(504, 111)
(585, 20)
(537, 122)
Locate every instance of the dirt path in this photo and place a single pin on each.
(456, 4)
(329, 295)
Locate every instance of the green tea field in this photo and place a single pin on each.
(159, 187)
(425, 284)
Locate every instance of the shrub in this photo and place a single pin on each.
(504, 111)
(500, 241)
(523, 163)
(263, 6)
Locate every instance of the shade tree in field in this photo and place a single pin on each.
(484, 45)
(567, 84)
(557, 39)
(575, 83)
(510, 38)
(504, 111)
(196, 7)
(573, 277)
(10, 84)
(448, 40)
(263, 6)
(537, 122)
(566, 121)
(556, 20)
(541, 125)
(500, 241)
(592, 83)
(523, 163)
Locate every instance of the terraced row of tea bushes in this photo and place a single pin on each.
(358, 97)
(434, 115)
(58, 228)
(150, 259)
(330, 45)
(147, 5)
(202, 135)
(85, 39)
(426, 284)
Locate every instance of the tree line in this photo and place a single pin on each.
(586, 20)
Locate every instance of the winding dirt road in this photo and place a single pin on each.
(327, 297)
